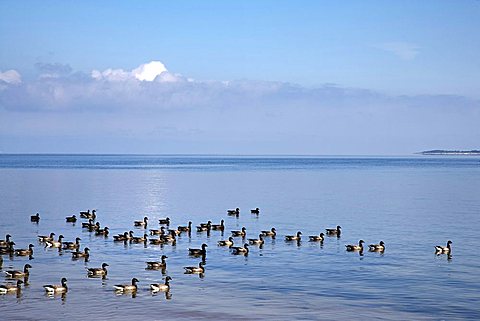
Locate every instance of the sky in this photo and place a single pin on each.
(239, 77)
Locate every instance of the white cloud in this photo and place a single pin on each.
(403, 50)
(144, 72)
(11, 77)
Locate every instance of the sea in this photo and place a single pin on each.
(411, 203)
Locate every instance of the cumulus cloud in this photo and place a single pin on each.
(145, 72)
(403, 50)
(10, 77)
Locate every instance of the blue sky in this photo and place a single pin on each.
(308, 77)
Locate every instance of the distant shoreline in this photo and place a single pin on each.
(450, 152)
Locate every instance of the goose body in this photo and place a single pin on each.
(140, 239)
(11, 288)
(195, 269)
(240, 250)
(202, 251)
(235, 212)
(62, 288)
(296, 237)
(35, 218)
(354, 247)
(161, 287)
(272, 232)
(94, 227)
(101, 271)
(174, 232)
(127, 287)
(123, 237)
(164, 221)
(4, 243)
(317, 238)
(334, 231)
(143, 223)
(380, 247)
(219, 227)
(444, 249)
(8, 249)
(56, 244)
(25, 252)
(103, 231)
(255, 211)
(89, 215)
(44, 238)
(79, 254)
(18, 273)
(258, 241)
(160, 231)
(204, 226)
(72, 245)
(186, 228)
(158, 241)
(228, 242)
(71, 219)
(242, 232)
(158, 264)
(89, 224)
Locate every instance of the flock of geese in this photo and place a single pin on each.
(164, 235)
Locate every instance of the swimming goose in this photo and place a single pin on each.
(444, 249)
(255, 211)
(101, 271)
(89, 224)
(140, 239)
(161, 231)
(272, 232)
(354, 247)
(186, 228)
(71, 219)
(296, 237)
(35, 218)
(334, 231)
(94, 227)
(228, 242)
(79, 254)
(158, 241)
(55, 243)
(155, 287)
(258, 241)
(194, 269)
(89, 215)
(240, 250)
(242, 232)
(121, 237)
(44, 238)
(317, 238)
(103, 231)
(380, 247)
(171, 237)
(62, 288)
(204, 226)
(25, 252)
(235, 212)
(174, 232)
(158, 265)
(19, 273)
(202, 251)
(143, 223)
(72, 245)
(127, 287)
(219, 227)
(164, 221)
(4, 243)
(8, 249)
(11, 288)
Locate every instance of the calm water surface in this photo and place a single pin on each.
(411, 203)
